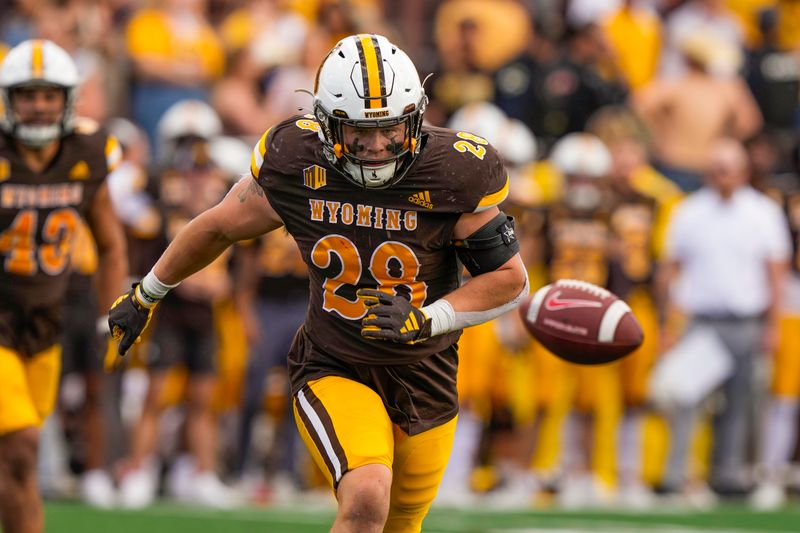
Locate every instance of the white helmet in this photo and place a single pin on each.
(38, 62)
(367, 82)
(581, 154)
(510, 137)
(584, 161)
(231, 155)
(187, 119)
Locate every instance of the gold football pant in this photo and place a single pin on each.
(786, 366)
(345, 425)
(28, 387)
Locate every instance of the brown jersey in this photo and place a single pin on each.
(40, 212)
(578, 245)
(633, 261)
(396, 239)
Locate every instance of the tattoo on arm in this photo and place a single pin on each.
(252, 188)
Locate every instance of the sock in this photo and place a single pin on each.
(629, 456)
(779, 434)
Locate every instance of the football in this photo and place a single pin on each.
(581, 322)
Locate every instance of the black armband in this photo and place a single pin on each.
(490, 247)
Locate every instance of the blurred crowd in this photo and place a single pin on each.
(609, 114)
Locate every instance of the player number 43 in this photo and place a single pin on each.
(18, 242)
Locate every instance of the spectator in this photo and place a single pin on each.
(554, 90)
(60, 25)
(634, 34)
(686, 115)
(189, 183)
(709, 17)
(275, 34)
(724, 268)
(176, 56)
(239, 96)
(773, 75)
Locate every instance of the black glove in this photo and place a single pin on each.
(128, 318)
(105, 345)
(392, 318)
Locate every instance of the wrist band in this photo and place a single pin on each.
(442, 315)
(151, 290)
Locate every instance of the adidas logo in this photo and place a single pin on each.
(422, 199)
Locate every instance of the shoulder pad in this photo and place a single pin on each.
(286, 144)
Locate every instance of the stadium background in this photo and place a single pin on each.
(246, 58)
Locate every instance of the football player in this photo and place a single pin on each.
(643, 201)
(184, 336)
(53, 171)
(779, 429)
(271, 293)
(583, 403)
(385, 211)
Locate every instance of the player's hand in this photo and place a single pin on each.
(106, 347)
(128, 318)
(392, 318)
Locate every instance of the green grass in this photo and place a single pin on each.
(69, 517)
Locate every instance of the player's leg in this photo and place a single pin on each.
(346, 428)
(82, 349)
(419, 464)
(554, 388)
(139, 481)
(203, 485)
(201, 420)
(27, 395)
(779, 428)
(635, 374)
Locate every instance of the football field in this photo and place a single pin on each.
(67, 517)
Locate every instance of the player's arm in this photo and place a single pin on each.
(486, 244)
(111, 249)
(490, 287)
(244, 213)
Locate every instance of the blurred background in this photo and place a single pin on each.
(606, 112)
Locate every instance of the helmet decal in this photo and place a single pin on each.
(372, 71)
(37, 59)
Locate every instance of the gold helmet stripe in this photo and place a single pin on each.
(372, 73)
(37, 60)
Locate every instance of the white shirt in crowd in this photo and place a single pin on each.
(722, 247)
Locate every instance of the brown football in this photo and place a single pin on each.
(581, 322)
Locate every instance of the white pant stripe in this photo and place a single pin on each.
(320, 430)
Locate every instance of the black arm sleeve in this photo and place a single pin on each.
(489, 247)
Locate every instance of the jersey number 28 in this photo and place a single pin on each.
(382, 265)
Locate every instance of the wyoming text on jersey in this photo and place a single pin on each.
(363, 215)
